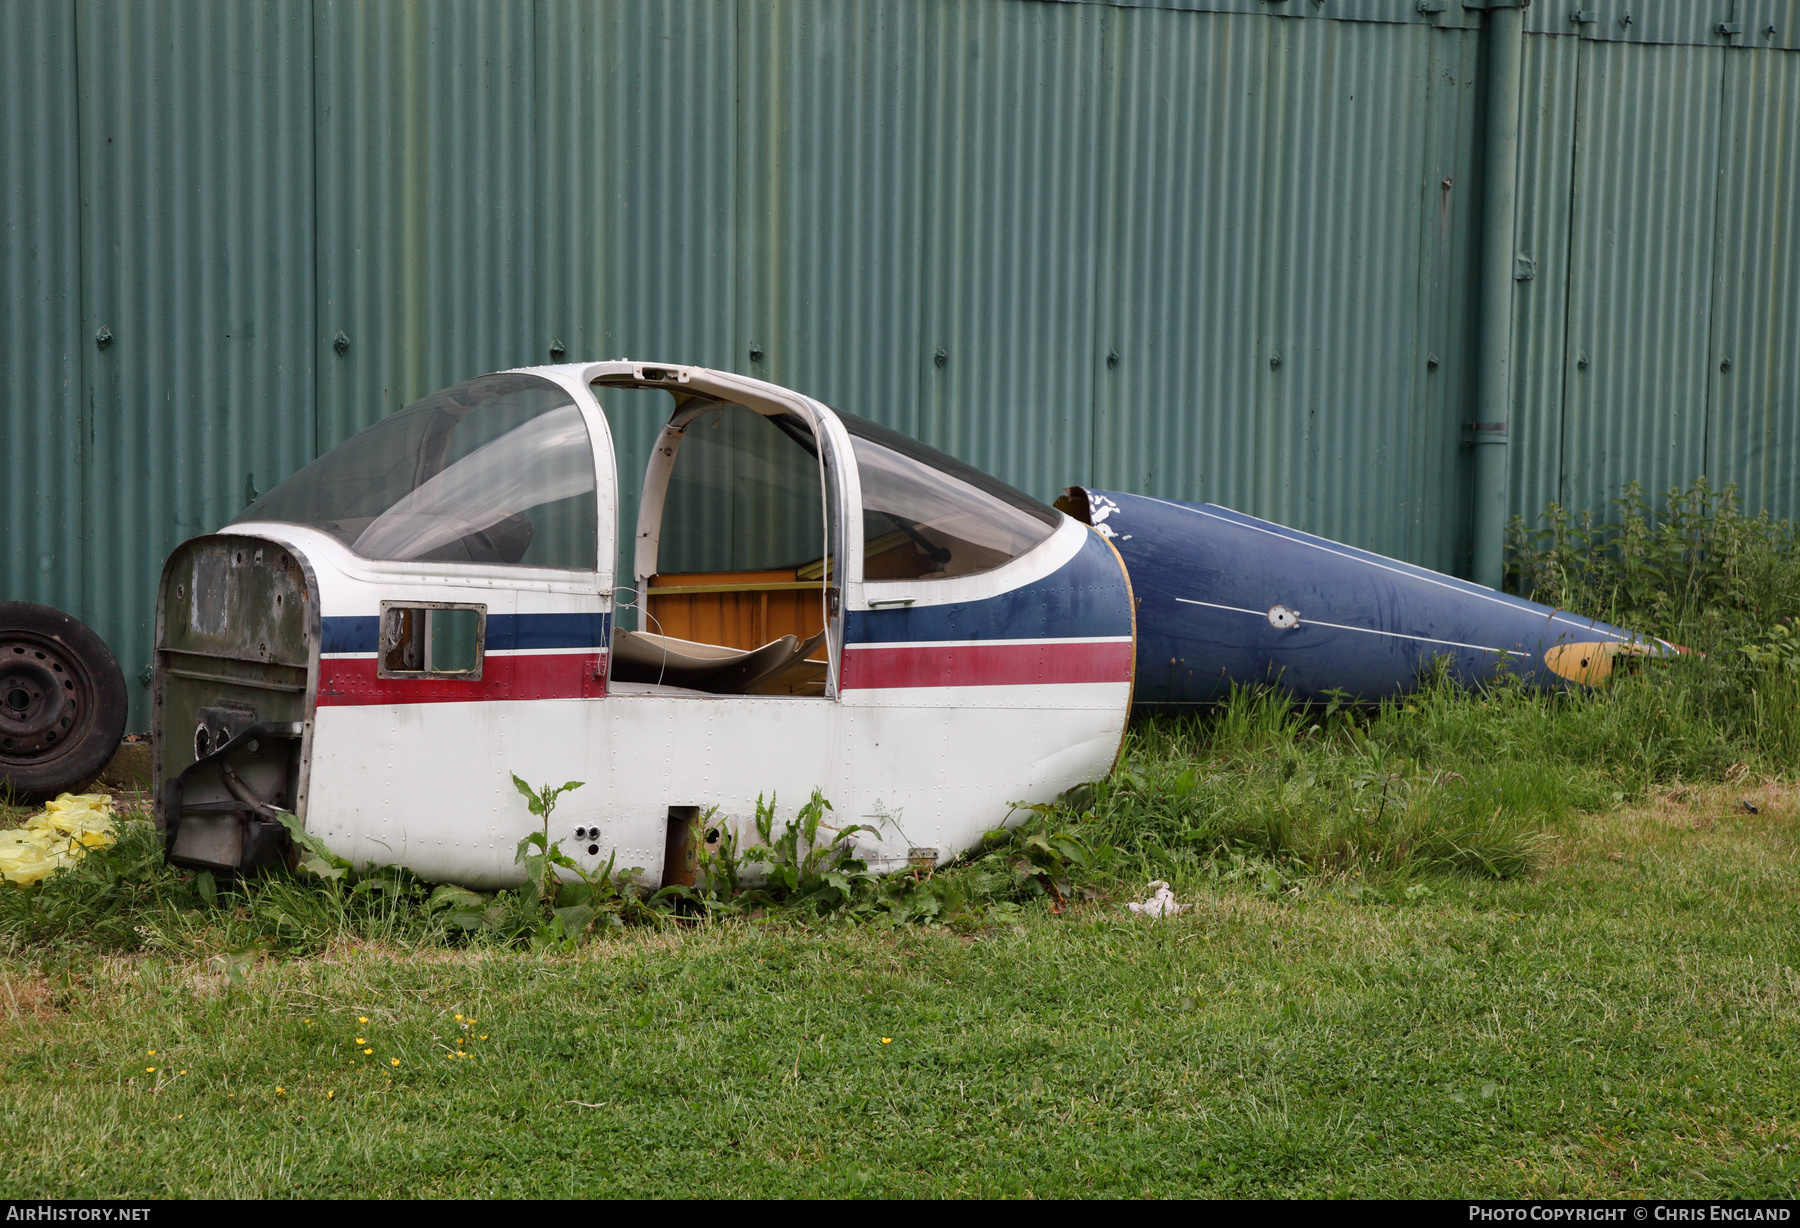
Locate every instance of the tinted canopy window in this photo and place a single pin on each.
(926, 515)
(497, 470)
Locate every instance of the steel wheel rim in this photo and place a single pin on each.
(47, 699)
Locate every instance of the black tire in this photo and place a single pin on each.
(62, 701)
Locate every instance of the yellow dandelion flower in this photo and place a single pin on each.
(393, 1061)
(330, 1095)
(152, 1053)
(184, 1072)
(887, 1040)
(149, 1070)
(459, 1019)
(281, 1091)
(362, 1019)
(484, 1036)
(361, 1041)
(368, 1051)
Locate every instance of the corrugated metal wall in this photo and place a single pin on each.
(197, 251)
(42, 432)
(1217, 249)
(1754, 360)
(1286, 283)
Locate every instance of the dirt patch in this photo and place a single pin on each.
(25, 997)
(1701, 807)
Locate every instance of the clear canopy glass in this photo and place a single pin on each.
(927, 516)
(496, 470)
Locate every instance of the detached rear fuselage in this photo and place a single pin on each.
(1225, 599)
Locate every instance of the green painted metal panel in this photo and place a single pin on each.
(919, 208)
(637, 239)
(1744, 24)
(1754, 363)
(835, 178)
(1541, 278)
(428, 186)
(40, 310)
(1768, 25)
(197, 248)
(1009, 237)
(1291, 235)
(1641, 269)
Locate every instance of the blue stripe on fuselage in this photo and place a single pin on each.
(505, 632)
(1086, 597)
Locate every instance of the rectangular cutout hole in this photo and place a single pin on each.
(403, 640)
(681, 853)
(432, 641)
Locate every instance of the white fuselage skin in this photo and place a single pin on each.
(428, 785)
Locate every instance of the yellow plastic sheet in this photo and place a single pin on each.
(60, 836)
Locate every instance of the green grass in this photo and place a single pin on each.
(1620, 1021)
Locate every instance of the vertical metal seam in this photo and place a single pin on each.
(318, 332)
(534, 214)
(1718, 264)
(84, 426)
(1429, 270)
(1101, 388)
(926, 389)
(1265, 428)
(1503, 57)
(1562, 444)
(740, 205)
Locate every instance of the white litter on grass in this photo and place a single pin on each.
(1160, 904)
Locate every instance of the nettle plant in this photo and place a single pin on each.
(801, 869)
(575, 904)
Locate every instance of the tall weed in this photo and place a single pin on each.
(1700, 573)
(1327, 790)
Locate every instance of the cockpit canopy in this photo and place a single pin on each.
(498, 470)
(926, 515)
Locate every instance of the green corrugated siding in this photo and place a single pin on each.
(1108, 219)
(197, 251)
(1289, 238)
(41, 353)
(1640, 268)
(1753, 427)
(428, 189)
(1547, 132)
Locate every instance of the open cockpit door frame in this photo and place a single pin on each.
(841, 491)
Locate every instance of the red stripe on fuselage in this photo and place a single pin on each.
(577, 675)
(997, 663)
